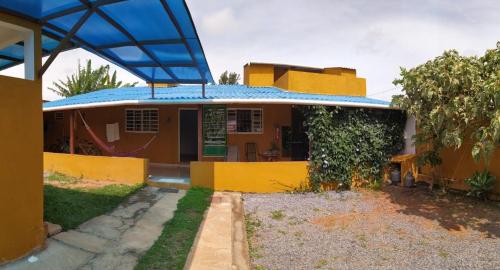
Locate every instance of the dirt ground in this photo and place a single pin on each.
(63, 181)
(395, 228)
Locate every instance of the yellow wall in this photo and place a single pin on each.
(117, 169)
(318, 83)
(333, 81)
(259, 177)
(459, 165)
(258, 75)
(164, 149)
(21, 183)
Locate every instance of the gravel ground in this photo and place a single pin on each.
(395, 228)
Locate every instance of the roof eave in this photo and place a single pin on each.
(221, 101)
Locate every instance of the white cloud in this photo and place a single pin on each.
(221, 22)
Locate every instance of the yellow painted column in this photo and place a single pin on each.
(21, 144)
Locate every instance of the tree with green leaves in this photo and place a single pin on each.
(229, 78)
(87, 79)
(454, 98)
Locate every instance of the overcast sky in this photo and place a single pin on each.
(374, 37)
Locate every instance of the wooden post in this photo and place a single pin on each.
(200, 132)
(72, 132)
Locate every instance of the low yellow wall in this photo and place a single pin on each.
(261, 177)
(117, 169)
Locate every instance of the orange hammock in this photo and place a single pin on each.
(111, 149)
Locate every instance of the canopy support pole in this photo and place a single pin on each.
(153, 90)
(64, 41)
(203, 90)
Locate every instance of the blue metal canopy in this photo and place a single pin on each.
(154, 39)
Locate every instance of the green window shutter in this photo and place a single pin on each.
(214, 130)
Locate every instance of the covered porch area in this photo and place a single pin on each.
(170, 136)
(170, 175)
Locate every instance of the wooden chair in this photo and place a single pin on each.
(251, 152)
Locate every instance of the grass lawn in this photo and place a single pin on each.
(70, 207)
(172, 247)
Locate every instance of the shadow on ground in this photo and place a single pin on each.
(454, 212)
(71, 207)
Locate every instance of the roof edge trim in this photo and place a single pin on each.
(221, 101)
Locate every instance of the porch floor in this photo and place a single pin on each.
(169, 174)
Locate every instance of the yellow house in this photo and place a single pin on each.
(185, 131)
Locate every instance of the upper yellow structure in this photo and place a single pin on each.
(331, 81)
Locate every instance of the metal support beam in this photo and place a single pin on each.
(132, 39)
(203, 90)
(64, 41)
(178, 28)
(153, 90)
(165, 65)
(91, 48)
(143, 43)
(68, 11)
(9, 58)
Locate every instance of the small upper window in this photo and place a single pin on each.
(142, 120)
(59, 116)
(244, 121)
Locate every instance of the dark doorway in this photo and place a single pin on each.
(299, 144)
(188, 135)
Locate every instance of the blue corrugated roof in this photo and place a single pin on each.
(154, 39)
(192, 94)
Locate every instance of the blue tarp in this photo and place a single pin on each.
(154, 39)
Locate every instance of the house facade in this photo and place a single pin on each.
(253, 122)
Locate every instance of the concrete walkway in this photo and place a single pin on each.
(221, 241)
(112, 241)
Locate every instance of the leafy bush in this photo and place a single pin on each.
(480, 184)
(453, 98)
(347, 142)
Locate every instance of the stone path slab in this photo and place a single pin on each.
(221, 241)
(113, 241)
(85, 241)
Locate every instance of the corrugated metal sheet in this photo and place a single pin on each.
(192, 94)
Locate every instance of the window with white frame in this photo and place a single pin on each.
(244, 121)
(142, 120)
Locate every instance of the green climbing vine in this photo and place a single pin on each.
(345, 142)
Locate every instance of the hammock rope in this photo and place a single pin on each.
(111, 149)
